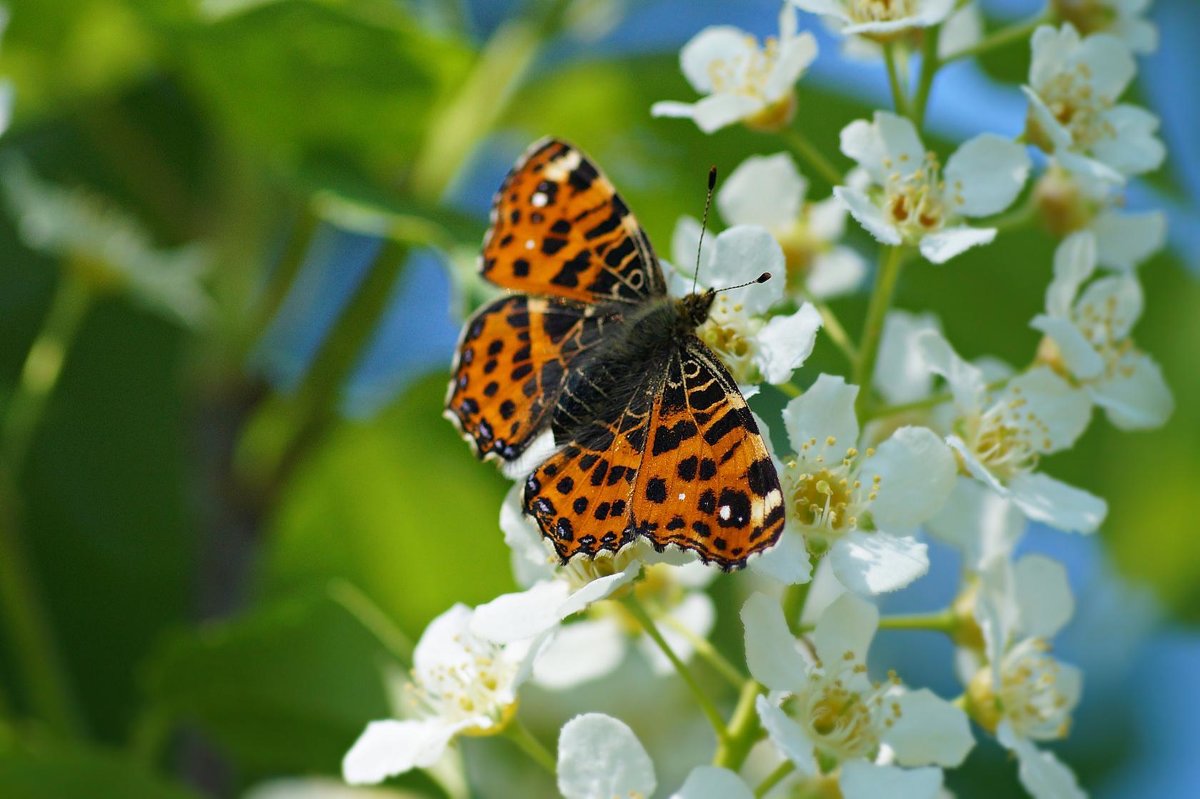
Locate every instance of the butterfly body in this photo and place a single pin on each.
(654, 438)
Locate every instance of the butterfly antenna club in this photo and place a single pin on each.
(712, 184)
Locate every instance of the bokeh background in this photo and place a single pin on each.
(246, 229)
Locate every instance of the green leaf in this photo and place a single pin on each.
(399, 507)
(287, 687)
(35, 769)
(306, 79)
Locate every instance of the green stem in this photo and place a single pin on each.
(151, 731)
(519, 734)
(1020, 32)
(881, 299)
(930, 64)
(704, 648)
(899, 96)
(1018, 218)
(942, 621)
(794, 599)
(702, 699)
(932, 401)
(790, 389)
(372, 617)
(805, 148)
(744, 729)
(774, 778)
(835, 330)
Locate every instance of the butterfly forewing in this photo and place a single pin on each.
(559, 228)
(514, 358)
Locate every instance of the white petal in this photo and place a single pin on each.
(965, 380)
(673, 109)
(901, 374)
(982, 524)
(772, 654)
(788, 736)
(742, 253)
(905, 153)
(862, 141)
(1137, 396)
(714, 43)
(764, 190)
(825, 410)
(862, 780)
(827, 218)
(1074, 262)
(1042, 774)
(1095, 179)
(1051, 47)
(788, 561)
(599, 757)
(697, 614)
(1061, 411)
(830, 8)
(1047, 123)
(1116, 299)
(948, 242)
(1125, 240)
(387, 748)
(875, 563)
(1043, 596)
(530, 560)
(836, 272)
(930, 730)
(579, 653)
(1059, 505)
(442, 643)
(600, 588)
(868, 215)
(845, 630)
(985, 175)
(685, 242)
(916, 473)
(1134, 149)
(1110, 66)
(718, 110)
(521, 615)
(1078, 355)
(785, 342)
(713, 782)
(962, 29)
(795, 54)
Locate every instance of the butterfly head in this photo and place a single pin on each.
(694, 308)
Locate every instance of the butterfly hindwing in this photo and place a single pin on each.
(513, 360)
(559, 228)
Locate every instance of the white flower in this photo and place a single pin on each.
(770, 191)
(754, 348)
(831, 490)
(1123, 18)
(671, 588)
(827, 709)
(962, 29)
(1088, 337)
(900, 372)
(1028, 696)
(461, 684)
(1073, 88)
(1000, 438)
(741, 81)
(600, 757)
(880, 16)
(911, 201)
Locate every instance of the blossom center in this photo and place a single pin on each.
(913, 201)
(1009, 438)
(880, 10)
(1073, 101)
(476, 685)
(1029, 695)
(826, 498)
(844, 713)
(729, 332)
(747, 72)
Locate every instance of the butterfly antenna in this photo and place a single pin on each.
(763, 278)
(712, 184)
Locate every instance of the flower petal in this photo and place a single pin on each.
(1112, 303)
(772, 654)
(1074, 262)
(719, 110)
(985, 175)
(442, 643)
(788, 561)
(795, 54)
(1059, 505)
(1056, 412)
(580, 652)
(836, 272)
(948, 242)
(530, 560)
(875, 563)
(600, 757)
(1078, 354)
(862, 780)
(788, 736)
(713, 782)
(1110, 66)
(983, 525)
(1124, 240)
(742, 253)
(930, 730)
(714, 43)
(387, 748)
(869, 215)
(862, 141)
(764, 190)
(845, 630)
(825, 411)
(521, 615)
(1134, 149)
(1136, 397)
(901, 374)
(916, 473)
(1044, 599)
(1042, 774)
(785, 342)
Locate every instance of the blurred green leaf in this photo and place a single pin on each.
(400, 508)
(307, 79)
(35, 769)
(287, 687)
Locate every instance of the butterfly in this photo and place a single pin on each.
(653, 438)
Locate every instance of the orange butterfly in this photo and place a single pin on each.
(654, 439)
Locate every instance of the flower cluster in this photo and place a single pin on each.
(913, 439)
